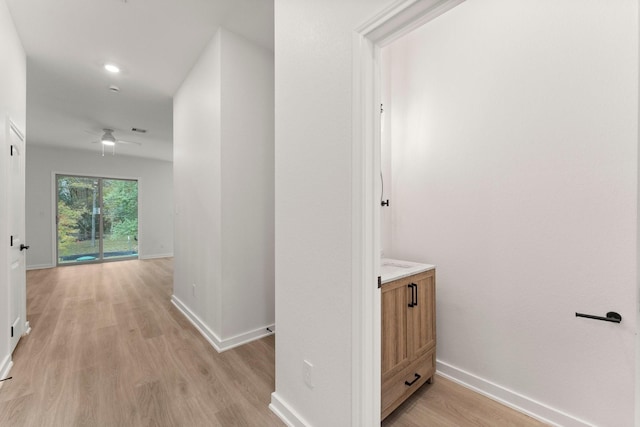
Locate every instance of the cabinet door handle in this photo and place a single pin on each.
(415, 302)
(414, 380)
(411, 287)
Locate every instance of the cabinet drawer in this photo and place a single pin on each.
(394, 388)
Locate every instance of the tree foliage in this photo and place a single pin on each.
(67, 225)
(120, 202)
(74, 195)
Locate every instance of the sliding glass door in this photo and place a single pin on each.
(97, 219)
(120, 218)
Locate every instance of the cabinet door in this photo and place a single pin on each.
(395, 354)
(421, 318)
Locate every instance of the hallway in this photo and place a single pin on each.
(107, 348)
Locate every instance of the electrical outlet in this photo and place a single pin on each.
(307, 373)
(194, 289)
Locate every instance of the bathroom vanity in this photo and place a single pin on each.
(408, 330)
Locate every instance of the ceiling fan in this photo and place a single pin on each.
(109, 140)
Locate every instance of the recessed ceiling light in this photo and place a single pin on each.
(112, 68)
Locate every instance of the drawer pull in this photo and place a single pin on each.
(411, 304)
(414, 380)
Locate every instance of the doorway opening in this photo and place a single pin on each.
(96, 219)
(381, 30)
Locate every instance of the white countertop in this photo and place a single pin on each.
(394, 269)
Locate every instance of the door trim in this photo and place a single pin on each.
(16, 129)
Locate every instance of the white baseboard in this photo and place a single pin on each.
(154, 256)
(288, 416)
(218, 343)
(509, 398)
(5, 368)
(40, 266)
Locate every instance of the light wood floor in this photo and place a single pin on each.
(447, 404)
(107, 348)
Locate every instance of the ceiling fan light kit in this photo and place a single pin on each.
(108, 138)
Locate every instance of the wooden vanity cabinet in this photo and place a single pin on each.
(408, 337)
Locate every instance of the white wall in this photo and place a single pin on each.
(13, 104)
(515, 170)
(247, 185)
(155, 197)
(223, 163)
(197, 187)
(313, 206)
(637, 424)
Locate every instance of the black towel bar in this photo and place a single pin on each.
(612, 316)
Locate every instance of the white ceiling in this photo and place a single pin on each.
(154, 42)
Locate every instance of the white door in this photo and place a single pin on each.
(17, 246)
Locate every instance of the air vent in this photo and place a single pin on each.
(138, 130)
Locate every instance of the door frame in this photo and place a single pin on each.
(54, 210)
(382, 29)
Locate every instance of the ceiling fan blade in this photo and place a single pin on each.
(119, 141)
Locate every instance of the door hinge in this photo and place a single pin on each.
(12, 332)
(379, 282)
(11, 242)
(11, 150)
(381, 109)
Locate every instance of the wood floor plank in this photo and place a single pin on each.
(16, 412)
(154, 404)
(108, 348)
